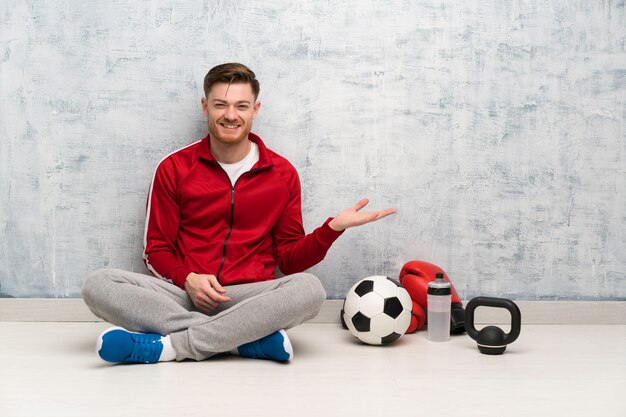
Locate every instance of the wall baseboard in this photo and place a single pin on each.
(533, 312)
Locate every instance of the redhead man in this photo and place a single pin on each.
(222, 213)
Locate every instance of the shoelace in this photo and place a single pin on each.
(146, 348)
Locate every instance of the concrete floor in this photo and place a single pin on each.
(50, 369)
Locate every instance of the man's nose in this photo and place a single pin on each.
(230, 114)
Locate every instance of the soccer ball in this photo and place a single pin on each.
(377, 311)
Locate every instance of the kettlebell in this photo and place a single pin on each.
(492, 340)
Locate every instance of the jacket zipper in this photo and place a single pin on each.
(232, 216)
(230, 230)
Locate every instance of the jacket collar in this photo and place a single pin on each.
(265, 159)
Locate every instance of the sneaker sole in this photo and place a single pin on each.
(287, 344)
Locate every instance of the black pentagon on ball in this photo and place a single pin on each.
(393, 307)
(343, 322)
(365, 287)
(390, 338)
(361, 322)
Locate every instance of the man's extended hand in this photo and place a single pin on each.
(205, 291)
(351, 217)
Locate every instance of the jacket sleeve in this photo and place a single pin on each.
(293, 250)
(161, 230)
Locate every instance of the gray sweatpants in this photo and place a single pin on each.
(143, 303)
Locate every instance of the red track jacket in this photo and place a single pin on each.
(198, 222)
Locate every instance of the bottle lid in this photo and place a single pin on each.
(439, 286)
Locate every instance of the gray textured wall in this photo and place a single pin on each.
(495, 128)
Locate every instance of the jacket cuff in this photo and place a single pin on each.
(179, 276)
(327, 235)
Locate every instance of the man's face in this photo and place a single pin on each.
(230, 109)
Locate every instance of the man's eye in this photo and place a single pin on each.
(219, 106)
(243, 107)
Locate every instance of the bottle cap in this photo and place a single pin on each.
(439, 286)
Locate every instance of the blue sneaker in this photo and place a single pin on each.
(275, 346)
(120, 345)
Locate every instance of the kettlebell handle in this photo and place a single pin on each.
(516, 316)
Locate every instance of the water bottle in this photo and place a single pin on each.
(439, 306)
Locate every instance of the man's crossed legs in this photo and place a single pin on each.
(250, 324)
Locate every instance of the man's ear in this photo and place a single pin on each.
(255, 111)
(205, 106)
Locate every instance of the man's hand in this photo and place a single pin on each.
(351, 217)
(205, 292)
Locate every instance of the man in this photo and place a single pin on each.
(222, 213)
